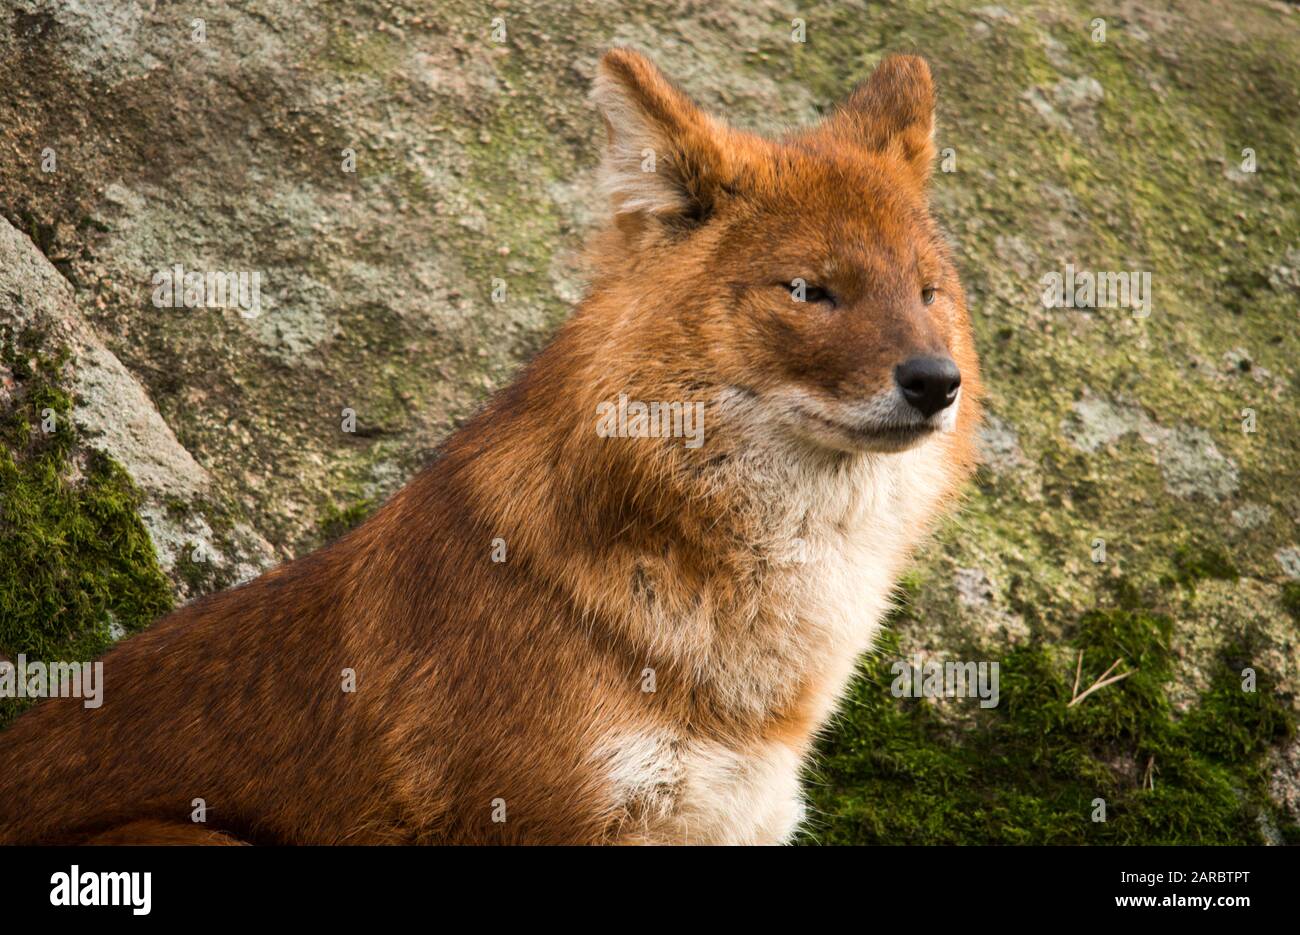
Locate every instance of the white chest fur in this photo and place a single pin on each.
(703, 792)
(832, 548)
(828, 547)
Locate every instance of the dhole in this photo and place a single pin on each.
(671, 625)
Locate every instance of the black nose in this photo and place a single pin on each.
(928, 383)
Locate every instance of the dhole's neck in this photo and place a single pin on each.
(602, 445)
(745, 560)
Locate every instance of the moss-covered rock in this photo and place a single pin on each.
(77, 566)
(1117, 767)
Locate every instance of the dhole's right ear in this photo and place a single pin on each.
(663, 157)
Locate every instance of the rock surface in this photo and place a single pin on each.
(113, 409)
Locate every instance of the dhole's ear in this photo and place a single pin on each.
(663, 156)
(893, 110)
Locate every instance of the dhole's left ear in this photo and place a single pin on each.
(893, 110)
(663, 157)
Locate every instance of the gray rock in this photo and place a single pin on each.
(112, 408)
(1077, 93)
(1289, 559)
(1251, 515)
(999, 445)
(1189, 459)
(112, 411)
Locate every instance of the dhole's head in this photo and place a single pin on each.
(801, 277)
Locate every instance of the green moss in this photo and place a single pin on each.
(200, 577)
(336, 521)
(1234, 721)
(355, 54)
(1027, 772)
(75, 559)
(1193, 564)
(1291, 598)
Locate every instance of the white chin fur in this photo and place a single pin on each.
(882, 423)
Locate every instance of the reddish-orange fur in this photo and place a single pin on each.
(480, 682)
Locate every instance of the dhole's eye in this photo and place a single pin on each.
(800, 291)
(927, 295)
